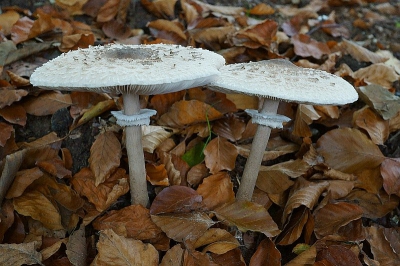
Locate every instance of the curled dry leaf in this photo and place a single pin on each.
(377, 128)
(230, 127)
(256, 36)
(381, 248)
(168, 30)
(160, 8)
(179, 114)
(305, 115)
(153, 136)
(47, 103)
(390, 170)
(360, 53)
(51, 250)
(176, 199)
(262, 9)
(132, 222)
(105, 155)
(349, 150)
(220, 154)
(217, 241)
(76, 41)
(174, 256)
(7, 97)
(379, 74)
(183, 226)
(157, 174)
(246, 216)
(305, 46)
(19, 254)
(307, 257)
(266, 253)
(216, 190)
(332, 216)
(116, 250)
(294, 228)
(14, 114)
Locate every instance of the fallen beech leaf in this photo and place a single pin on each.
(20, 30)
(176, 199)
(174, 175)
(14, 114)
(7, 97)
(381, 100)
(19, 254)
(247, 216)
(349, 150)
(108, 11)
(227, 10)
(216, 190)
(183, 226)
(105, 194)
(168, 30)
(7, 20)
(194, 257)
(116, 250)
(294, 228)
(305, 115)
(47, 103)
(362, 54)
(390, 170)
(157, 174)
(220, 154)
(76, 247)
(132, 222)
(230, 127)
(330, 111)
(378, 74)
(17, 80)
(105, 155)
(377, 128)
(5, 133)
(196, 174)
(94, 111)
(305, 46)
(153, 136)
(162, 102)
(381, 248)
(116, 29)
(41, 25)
(73, 7)
(256, 36)
(160, 8)
(51, 250)
(188, 112)
(76, 41)
(174, 256)
(217, 241)
(307, 257)
(262, 9)
(338, 255)
(7, 218)
(332, 216)
(273, 181)
(37, 205)
(266, 253)
(374, 206)
(303, 193)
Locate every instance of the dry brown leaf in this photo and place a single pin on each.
(157, 174)
(76, 41)
(108, 11)
(183, 226)
(230, 127)
(378, 74)
(7, 97)
(247, 216)
(362, 54)
(216, 190)
(349, 150)
(381, 248)
(7, 20)
(173, 257)
(273, 181)
(160, 8)
(305, 46)
(256, 36)
(305, 115)
(131, 222)
(73, 7)
(116, 250)
(307, 257)
(220, 154)
(105, 155)
(294, 228)
(14, 114)
(94, 111)
(162, 102)
(196, 174)
(176, 199)
(266, 253)
(390, 171)
(153, 136)
(6, 131)
(217, 241)
(37, 205)
(332, 216)
(226, 10)
(377, 128)
(338, 255)
(47, 103)
(51, 250)
(76, 247)
(20, 30)
(116, 29)
(303, 193)
(7, 218)
(262, 9)
(104, 194)
(184, 113)
(213, 38)
(168, 30)
(20, 254)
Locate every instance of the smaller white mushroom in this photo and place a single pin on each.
(277, 80)
(130, 70)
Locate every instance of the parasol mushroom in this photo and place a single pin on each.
(130, 70)
(277, 80)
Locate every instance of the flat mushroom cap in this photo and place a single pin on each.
(139, 69)
(282, 80)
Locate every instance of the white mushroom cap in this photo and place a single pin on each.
(139, 69)
(282, 80)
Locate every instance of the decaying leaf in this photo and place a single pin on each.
(216, 190)
(19, 254)
(266, 253)
(220, 155)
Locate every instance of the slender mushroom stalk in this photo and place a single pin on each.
(276, 80)
(131, 70)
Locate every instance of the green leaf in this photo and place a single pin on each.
(195, 155)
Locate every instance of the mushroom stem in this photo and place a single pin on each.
(134, 148)
(253, 163)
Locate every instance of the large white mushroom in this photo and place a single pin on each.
(130, 70)
(277, 80)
